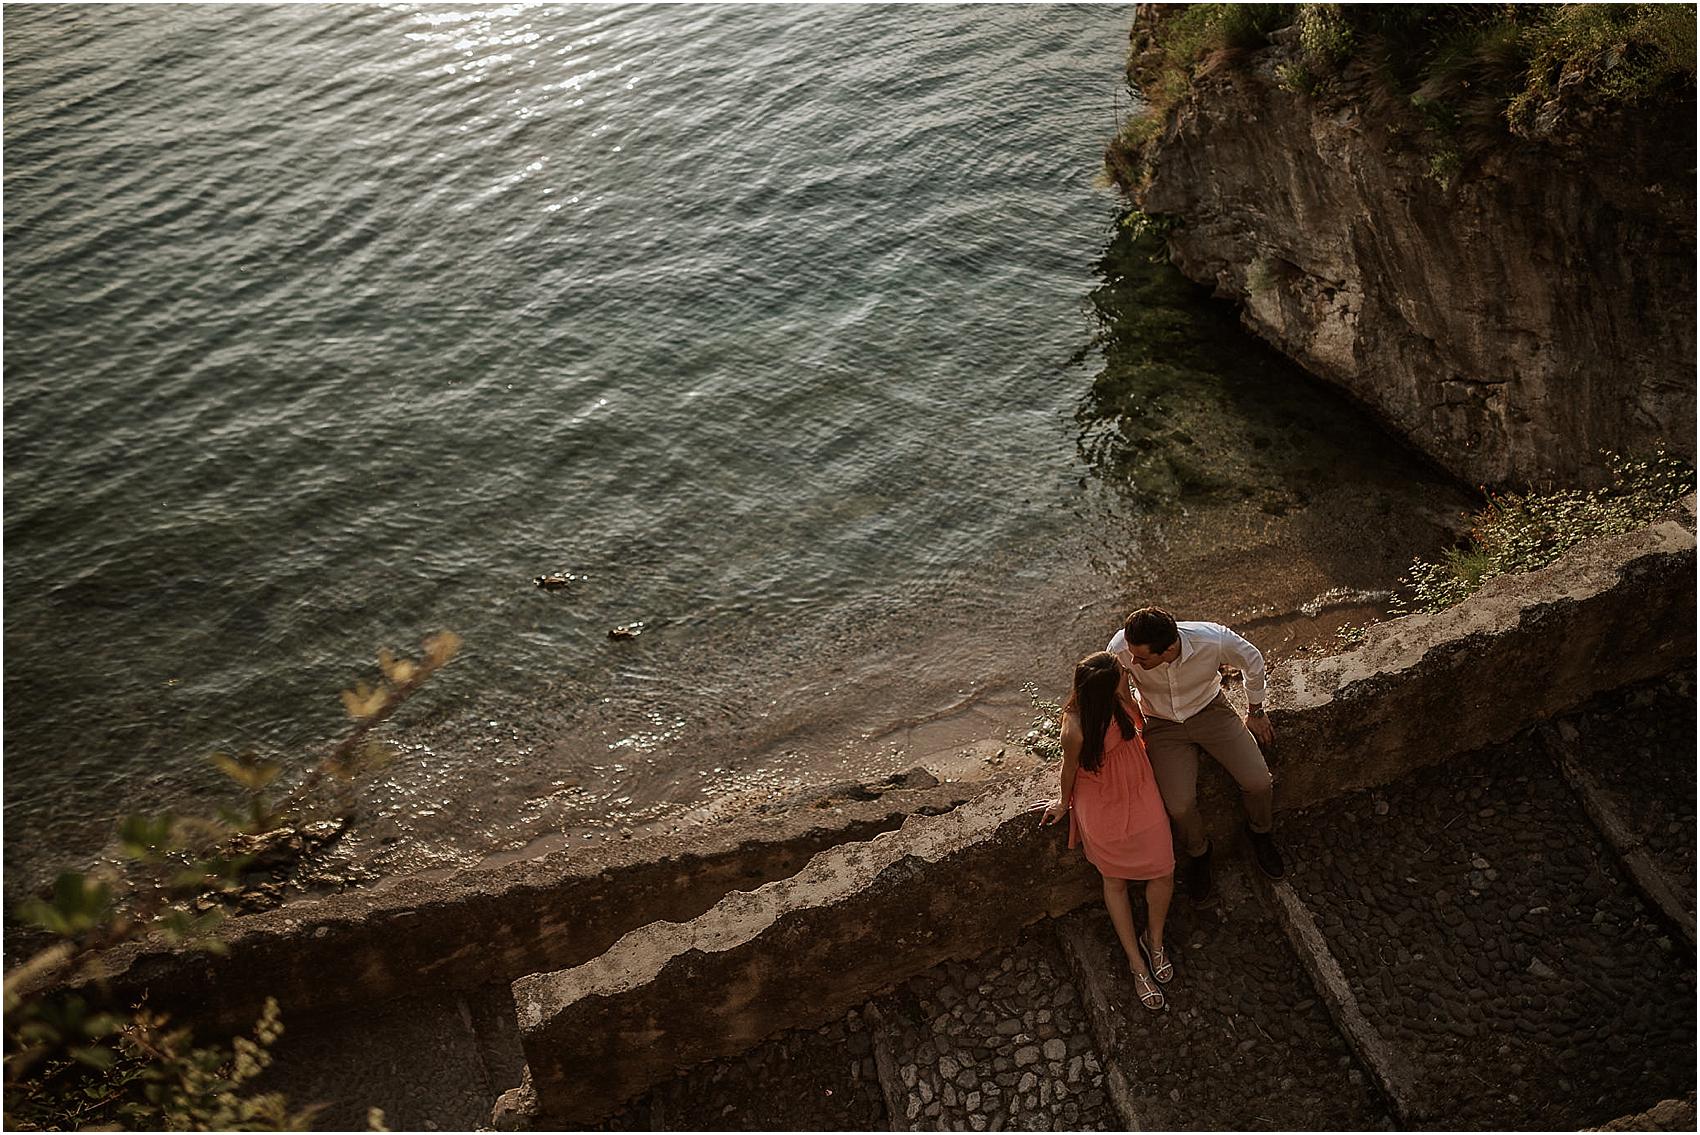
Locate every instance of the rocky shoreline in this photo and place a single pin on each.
(1288, 581)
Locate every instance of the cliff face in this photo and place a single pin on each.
(1513, 324)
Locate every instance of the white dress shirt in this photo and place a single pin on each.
(1177, 690)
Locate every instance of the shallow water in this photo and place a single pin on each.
(773, 327)
(332, 326)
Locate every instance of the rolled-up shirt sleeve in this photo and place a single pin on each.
(1250, 661)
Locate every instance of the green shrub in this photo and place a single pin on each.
(1625, 53)
(1325, 37)
(1194, 35)
(1445, 162)
(1472, 73)
(1523, 532)
(1298, 78)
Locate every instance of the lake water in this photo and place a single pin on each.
(330, 327)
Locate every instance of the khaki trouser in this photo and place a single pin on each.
(1173, 748)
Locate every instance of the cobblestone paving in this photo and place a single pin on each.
(1244, 1043)
(1639, 746)
(1492, 939)
(998, 1043)
(802, 1080)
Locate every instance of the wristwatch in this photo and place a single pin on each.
(1255, 711)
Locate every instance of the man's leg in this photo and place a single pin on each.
(1174, 761)
(1219, 730)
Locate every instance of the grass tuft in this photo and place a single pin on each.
(1468, 76)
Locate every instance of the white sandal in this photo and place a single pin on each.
(1149, 995)
(1158, 959)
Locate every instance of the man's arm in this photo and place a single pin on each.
(1250, 661)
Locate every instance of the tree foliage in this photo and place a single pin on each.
(76, 1060)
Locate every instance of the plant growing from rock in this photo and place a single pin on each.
(1044, 733)
(75, 1060)
(1262, 275)
(1457, 80)
(1622, 53)
(1325, 37)
(1520, 532)
(1169, 49)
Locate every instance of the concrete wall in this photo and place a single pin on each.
(860, 918)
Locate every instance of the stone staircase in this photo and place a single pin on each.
(1488, 931)
(1463, 948)
(1489, 922)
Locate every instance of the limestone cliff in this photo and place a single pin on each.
(1512, 320)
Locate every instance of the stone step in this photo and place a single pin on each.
(1489, 936)
(999, 1042)
(821, 1079)
(1244, 1041)
(801, 952)
(1629, 757)
(1005, 1042)
(421, 1060)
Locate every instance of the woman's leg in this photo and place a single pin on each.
(1158, 892)
(1121, 916)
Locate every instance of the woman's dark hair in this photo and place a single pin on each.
(1097, 680)
(1151, 627)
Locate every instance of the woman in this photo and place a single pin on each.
(1115, 810)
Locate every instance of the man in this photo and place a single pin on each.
(1175, 670)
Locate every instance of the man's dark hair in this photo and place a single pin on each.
(1151, 627)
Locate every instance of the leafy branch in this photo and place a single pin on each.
(71, 1061)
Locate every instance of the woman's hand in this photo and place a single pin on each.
(1054, 811)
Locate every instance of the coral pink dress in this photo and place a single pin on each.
(1118, 813)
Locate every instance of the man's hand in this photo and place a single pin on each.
(1260, 728)
(1054, 811)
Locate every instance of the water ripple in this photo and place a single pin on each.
(332, 325)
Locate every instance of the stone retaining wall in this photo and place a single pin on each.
(796, 952)
(423, 935)
(1425, 688)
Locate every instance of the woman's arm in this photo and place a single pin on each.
(1071, 740)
